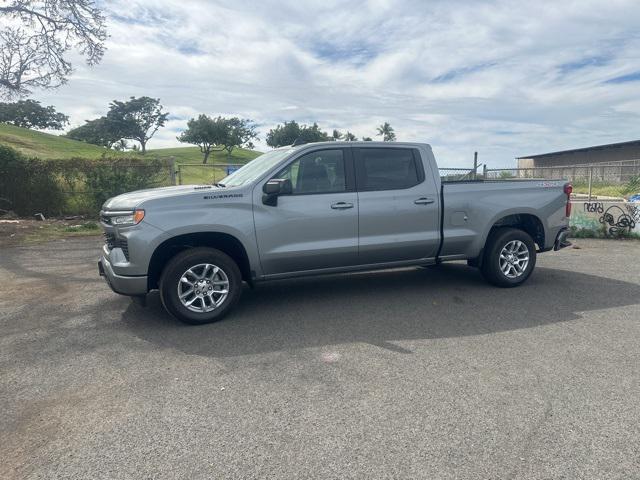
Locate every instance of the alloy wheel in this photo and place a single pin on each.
(514, 259)
(203, 288)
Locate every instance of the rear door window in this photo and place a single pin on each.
(387, 169)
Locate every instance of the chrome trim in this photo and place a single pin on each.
(116, 213)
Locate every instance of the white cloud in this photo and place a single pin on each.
(505, 78)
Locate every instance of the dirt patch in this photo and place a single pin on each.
(26, 231)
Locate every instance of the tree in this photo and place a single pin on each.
(97, 132)
(386, 131)
(30, 114)
(289, 132)
(37, 36)
(138, 119)
(367, 139)
(204, 132)
(238, 132)
(336, 135)
(225, 133)
(350, 137)
(284, 134)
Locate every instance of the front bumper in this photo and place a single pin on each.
(561, 240)
(123, 285)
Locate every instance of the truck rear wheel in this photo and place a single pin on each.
(200, 285)
(509, 257)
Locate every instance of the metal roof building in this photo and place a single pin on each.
(605, 154)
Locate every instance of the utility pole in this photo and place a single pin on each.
(475, 165)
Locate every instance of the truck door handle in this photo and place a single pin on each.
(424, 201)
(341, 205)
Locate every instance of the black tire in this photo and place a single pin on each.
(178, 265)
(491, 267)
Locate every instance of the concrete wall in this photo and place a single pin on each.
(610, 217)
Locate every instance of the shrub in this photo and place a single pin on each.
(91, 182)
(29, 185)
(580, 232)
(76, 186)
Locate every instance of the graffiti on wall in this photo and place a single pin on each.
(588, 218)
(594, 207)
(617, 220)
(614, 218)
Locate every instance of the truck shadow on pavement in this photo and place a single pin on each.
(379, 308)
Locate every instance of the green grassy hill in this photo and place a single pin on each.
(45, 146)
(193, 155)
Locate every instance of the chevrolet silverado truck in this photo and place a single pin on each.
(323, 208)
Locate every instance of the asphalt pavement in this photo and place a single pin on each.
(412, 373)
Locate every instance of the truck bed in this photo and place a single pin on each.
(471, 207)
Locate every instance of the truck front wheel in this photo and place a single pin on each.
(200, 285)
(509, 257)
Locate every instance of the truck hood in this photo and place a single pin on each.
(131, 200)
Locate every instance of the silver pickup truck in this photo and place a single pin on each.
(323, 208)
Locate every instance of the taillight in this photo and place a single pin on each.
(568, 190)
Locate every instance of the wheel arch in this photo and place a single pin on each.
(525, 221)
(224, 242)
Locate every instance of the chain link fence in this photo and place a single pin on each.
(204, 173)
(457, 174)
(80, 186)
(615, 179)
(614, 172)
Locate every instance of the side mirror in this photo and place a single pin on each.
(274, 188)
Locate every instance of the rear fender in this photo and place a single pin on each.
(497, 219)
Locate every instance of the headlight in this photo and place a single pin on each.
(133, 218)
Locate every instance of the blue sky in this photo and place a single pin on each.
(505, 78)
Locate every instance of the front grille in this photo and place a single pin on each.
(125, 248)
(112, 242)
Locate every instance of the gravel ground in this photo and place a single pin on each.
(415, 373)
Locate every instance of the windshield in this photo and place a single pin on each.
(255, 168)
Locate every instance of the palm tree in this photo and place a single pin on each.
(386, 131)
(350, 137)
(336, 135)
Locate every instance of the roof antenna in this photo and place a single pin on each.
(299, 141)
